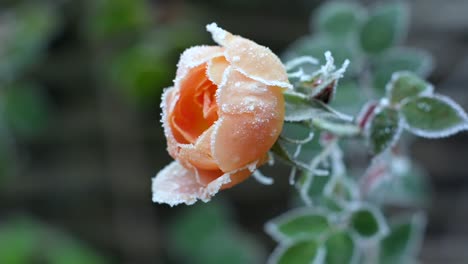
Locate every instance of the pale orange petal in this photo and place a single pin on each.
(257, 62)
(168, 101)
(251, 119)
(176, 185)
(199, 154)
(216, 68)
(194, 57)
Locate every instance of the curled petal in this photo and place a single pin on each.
(168, 101)
(176, 185)
(216, 68)
(251, 119)
(253, 60)
(193, 57)
(199, 154)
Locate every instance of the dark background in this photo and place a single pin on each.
(89, 171)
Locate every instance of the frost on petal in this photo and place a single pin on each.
(176, 185)
(251, 119)
(195, 56)
(256, 62)
(199, 154)
(219, 35)
(168, 100)
(216, 68)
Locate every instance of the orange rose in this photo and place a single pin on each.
(223, 114)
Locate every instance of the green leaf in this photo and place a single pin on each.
(403, 242)
(298, 224)
(368, 222)
(400, 59)
(384, 130)
(26, 110)
(405, 85)
(340, 248)
(204, 234)
(349, 98)
(385, 26)
(339, 19)
(299, 252)
(433, 117)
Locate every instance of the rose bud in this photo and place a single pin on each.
(221, 117)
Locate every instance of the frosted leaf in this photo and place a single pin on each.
(367, 221)
(294, 251)
(433, 116)
(298, 223)
(407, 84)
(384, 129)
(404, 240)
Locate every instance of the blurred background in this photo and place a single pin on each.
(80, 138)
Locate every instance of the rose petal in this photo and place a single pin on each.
(193, 57)
(176, 185)
(216, 68)
(251, 119)
(167, 104)
(199, 154)
(253, 60)
(256, 62)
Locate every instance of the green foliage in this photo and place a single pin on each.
(405, 85)
(25, 34)
(23, 241)
(433, 116)
(349, 97)
(367, 222)
(400, 59)
(25, 110)
(341, 248)
(204, 234)
(138, 70)
(384, 129)
(300, 224)
(403, 241)
(339, 19)
(385, 26)
(111, 18)
(298, 252)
